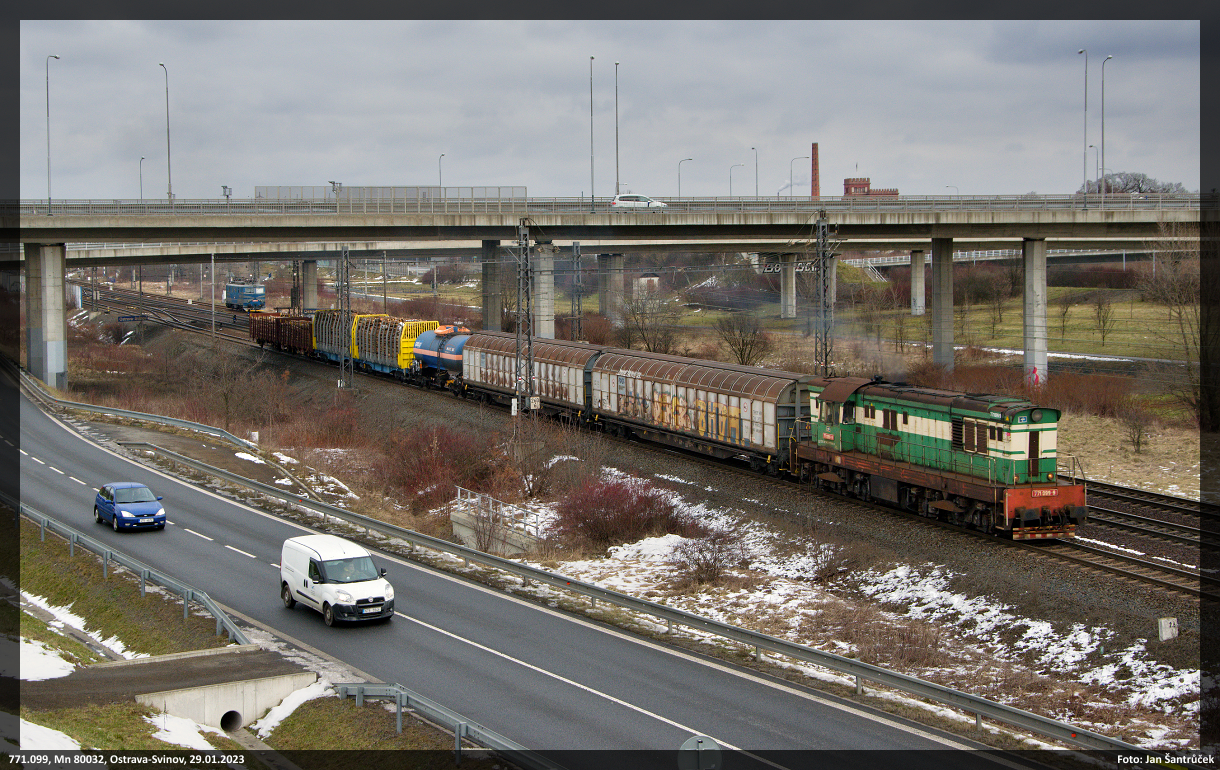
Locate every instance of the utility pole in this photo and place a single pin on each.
(347, 373)
(523, 365)
(578, 323)
(823, 339)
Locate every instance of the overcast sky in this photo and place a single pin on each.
(931, 108)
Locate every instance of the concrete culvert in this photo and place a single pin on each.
(230, 721)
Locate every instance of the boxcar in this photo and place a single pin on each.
(562, 371)
(724, 410)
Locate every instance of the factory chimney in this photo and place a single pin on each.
(815, 181)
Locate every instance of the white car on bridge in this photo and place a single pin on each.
(631, 201)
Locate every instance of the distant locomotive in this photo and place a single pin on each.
(244, 295)
(982, 461)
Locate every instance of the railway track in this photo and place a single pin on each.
(190, 317)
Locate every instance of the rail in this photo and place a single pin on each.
(146, 573)
(458, 204)
(862, 672)
(461, 727)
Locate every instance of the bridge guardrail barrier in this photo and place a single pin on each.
(461, 204)
(461, 727)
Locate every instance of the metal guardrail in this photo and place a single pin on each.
(492, 205)
(980, 707)
(76, 537)
(499, 513)
(171, 421)
(863, 672)
(461, 727)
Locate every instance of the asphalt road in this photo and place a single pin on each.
(548, 680)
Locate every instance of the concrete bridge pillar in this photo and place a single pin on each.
(46, 326)
(610, 286)
(544, 292)
(1033, 255)
(917, 283)
(309, 284)
(942, 302)
(493, 298)
(787, 286)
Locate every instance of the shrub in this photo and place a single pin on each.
(429, 463)
(705, 559)
(609, 512)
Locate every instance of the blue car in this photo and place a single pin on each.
(128, 505)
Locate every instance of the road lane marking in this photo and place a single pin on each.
(22, 451)
(580, 686)
(243, 553)
(57, 470)
(35, 459)
(196, 534)
(78, 481)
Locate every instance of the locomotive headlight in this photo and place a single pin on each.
(344, 597)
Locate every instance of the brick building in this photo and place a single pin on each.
(862, 185)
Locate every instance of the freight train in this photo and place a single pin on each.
(980, 461)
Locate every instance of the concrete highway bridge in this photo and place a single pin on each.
(926, 227)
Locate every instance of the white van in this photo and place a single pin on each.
(335, 577)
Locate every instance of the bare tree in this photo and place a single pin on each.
(1174, 281)
(1135, 421)
(744, 336)
(232, 380)
(650, 316)
(1065, 303)
(997, 297)
(1103, 314)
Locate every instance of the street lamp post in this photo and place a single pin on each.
(141, 179)
(591, 193)
(616, 190)
(169, 168)
(49, 58)
(1103, 126)
(1096, 164)
(755, 171)
(1084, 163)
(956, 191)
(803, 157)
(680, 175)
(735, 165)
(440, 179)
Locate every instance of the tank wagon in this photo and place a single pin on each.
(244, 295)
(977, 460)
(984, 461)
(438, 357)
